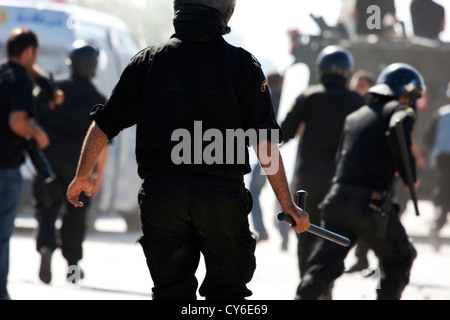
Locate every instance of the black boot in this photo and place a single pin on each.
(45, 271)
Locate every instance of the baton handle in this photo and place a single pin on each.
(407, 164)
(301, 198)
(318, 231)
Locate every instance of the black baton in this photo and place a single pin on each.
(318, 231)
(407, 165)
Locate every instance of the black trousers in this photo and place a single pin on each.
(351, 216)
(50, 199)
(184, 215)
(316, 180)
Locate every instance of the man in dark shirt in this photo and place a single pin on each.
(66, 126)
(321, 112)
(16, 123)
(198, 89)
(358, 204)
(428, 18)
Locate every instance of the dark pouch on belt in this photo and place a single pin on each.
(381, 221)
(382, 212)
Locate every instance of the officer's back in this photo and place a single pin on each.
(323, 108)
(191, 78)
(327, 106)
(365, 159)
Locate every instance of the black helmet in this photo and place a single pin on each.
(400, 79)
(226, 7)
(335, 60)
(84, 58)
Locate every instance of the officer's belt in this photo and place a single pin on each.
(357, 191)
(227, 173)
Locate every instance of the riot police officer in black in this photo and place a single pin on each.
(321, 110)
(358, 204)
(191, 86)
(66, 125)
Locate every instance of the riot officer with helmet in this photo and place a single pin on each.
(175, 92)
(318, 115)
(359, 203)
(66, 125)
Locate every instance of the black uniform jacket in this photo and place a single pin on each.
(323, 110)
(369, 154)
(176, 84)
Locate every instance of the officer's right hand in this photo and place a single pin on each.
(77, 186)
(300, 217)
